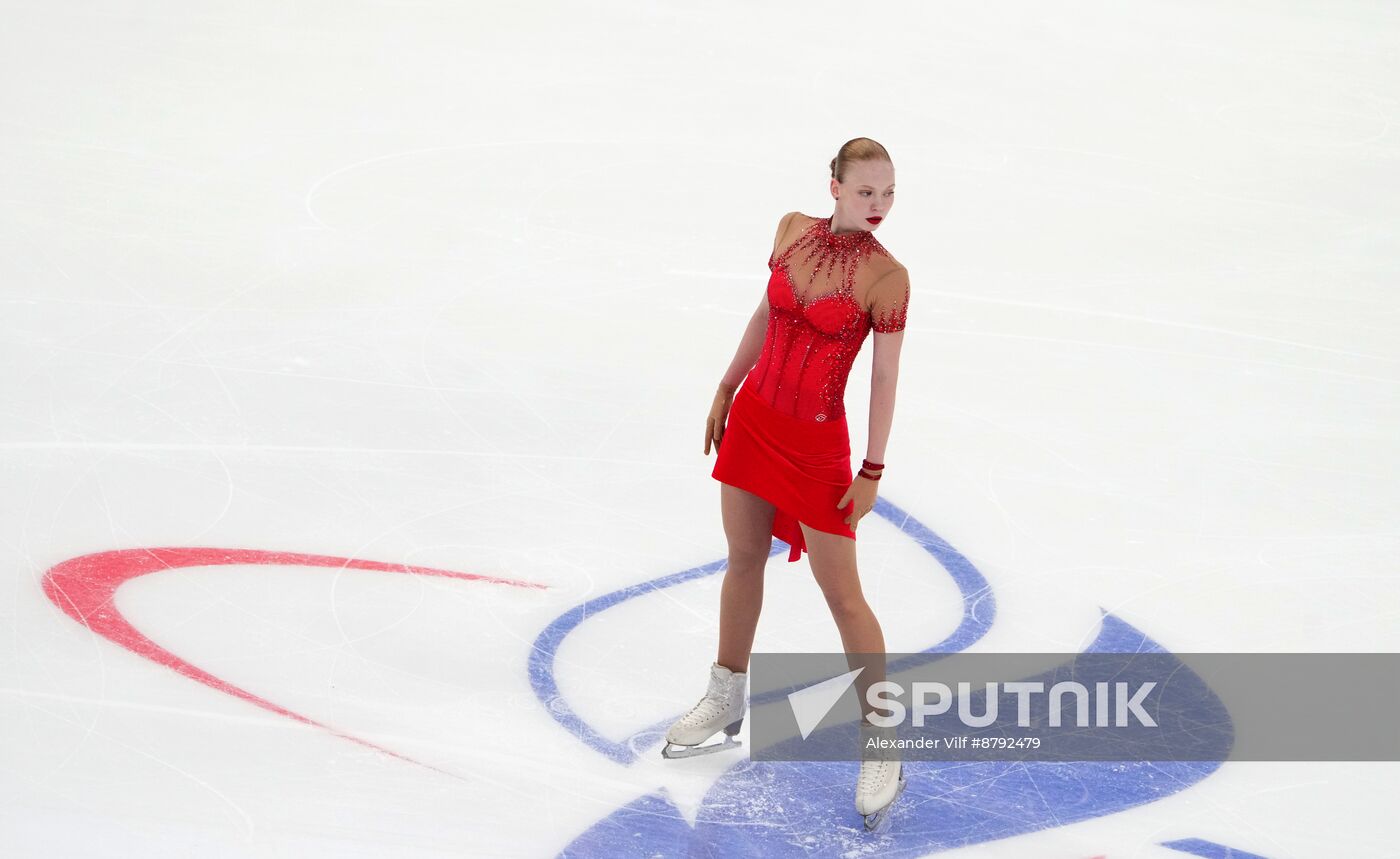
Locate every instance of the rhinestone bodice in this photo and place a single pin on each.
(820, 312)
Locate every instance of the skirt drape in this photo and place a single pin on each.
(801, 467)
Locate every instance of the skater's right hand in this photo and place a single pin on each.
(719, 410)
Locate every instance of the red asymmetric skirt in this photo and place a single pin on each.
(802, 467)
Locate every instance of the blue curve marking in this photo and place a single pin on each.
(779, 809)
(1208, 849)
(979, 610)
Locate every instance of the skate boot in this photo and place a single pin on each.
(722, 709)
(881, 778)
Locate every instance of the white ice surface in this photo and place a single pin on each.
(451, 284)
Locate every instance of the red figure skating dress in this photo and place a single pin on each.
(785, 438)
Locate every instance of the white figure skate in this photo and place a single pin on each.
(881, 778)
(722, 708)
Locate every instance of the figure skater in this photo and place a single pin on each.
(783, 451)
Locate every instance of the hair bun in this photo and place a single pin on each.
(857, 149)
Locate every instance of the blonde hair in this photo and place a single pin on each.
(856, 149)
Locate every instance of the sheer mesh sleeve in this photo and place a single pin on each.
(889, 302)
(783, 226)
(826, 291)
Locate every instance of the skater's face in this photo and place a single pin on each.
(867, 193)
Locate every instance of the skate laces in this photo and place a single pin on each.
(872, 775)
(716, 700)
(702, 712)
(875, 763)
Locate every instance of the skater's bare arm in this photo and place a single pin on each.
(884, 378)
(750, 347)
(889, 307)
(751, 344)
(744, 359)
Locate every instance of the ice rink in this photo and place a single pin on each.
(356, 365)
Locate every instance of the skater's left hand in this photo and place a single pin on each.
(862, 491)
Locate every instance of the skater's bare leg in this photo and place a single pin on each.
(833, 560)
(748, 527)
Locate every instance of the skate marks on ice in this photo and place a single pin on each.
(1209, 849)
(979, 609)
(771, 809)
(84, 588)
(804, 809)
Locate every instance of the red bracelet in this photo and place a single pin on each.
(868, 476)
(873, 466)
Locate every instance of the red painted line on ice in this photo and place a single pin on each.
(83, 588)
